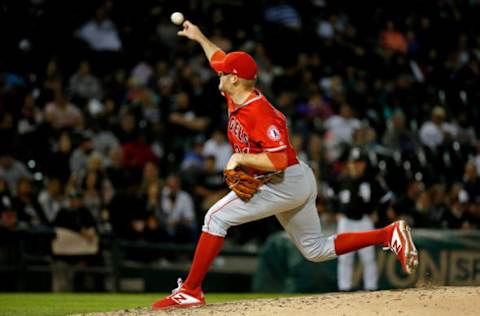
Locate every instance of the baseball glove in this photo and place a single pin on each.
(243, 184)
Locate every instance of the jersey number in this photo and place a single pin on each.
(237, 149)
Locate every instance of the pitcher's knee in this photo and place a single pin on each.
(316, 257)
(215, 225)
(319, 250)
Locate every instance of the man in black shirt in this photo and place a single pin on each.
(356, 195)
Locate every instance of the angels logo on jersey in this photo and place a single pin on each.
(273, 133)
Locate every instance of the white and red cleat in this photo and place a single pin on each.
(181, 298)
(401, 244)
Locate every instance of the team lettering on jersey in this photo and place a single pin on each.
(238, 131)
(256, 126)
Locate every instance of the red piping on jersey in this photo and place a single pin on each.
(208, 224)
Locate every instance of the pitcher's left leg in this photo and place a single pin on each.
(303, 226)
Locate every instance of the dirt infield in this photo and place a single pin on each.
(419, 301)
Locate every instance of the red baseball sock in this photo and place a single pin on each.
(348, 242)
(208, 247)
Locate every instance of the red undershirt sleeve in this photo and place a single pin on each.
(217, 56)
(279, 159)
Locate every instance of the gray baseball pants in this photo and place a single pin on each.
(289, 196)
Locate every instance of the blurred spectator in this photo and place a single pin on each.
(432, 133)
(398, 137)
(116, 171)
(126, 131)
(423, 206)
(406, 206)
(458, 215)
(465, 131)
(178, 211)
(138, 152)
(365, 138)
(471, 182)
(438, 208)
(83, 85)
(74, 216)
(155, 227)
(141, 74)
(100, 33)
(218, 147)
(341, 126)
(26, 204)
(12, 170)
(33, 134)
(52, 81)
(393, 39)
(30, 121)
(91, 187)
(144, 104)
(79, 157)
(283, 13)
(148, 105)
(318, 108)
(151, 174)
(209, 184)
(61, 114)
(8, 216)
(339, 130)
(94, 184)
(185, 121)
(60, 157)
(193, 158)
(103, 140)
(51, 199)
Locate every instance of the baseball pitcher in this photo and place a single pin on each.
(267, 179)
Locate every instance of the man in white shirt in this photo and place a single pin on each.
(218, 147)
(178, 211)
(433, 132)
(100, 33)
(340, 129)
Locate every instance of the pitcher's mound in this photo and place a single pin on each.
(419, 301)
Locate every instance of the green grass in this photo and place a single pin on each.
(26, 304)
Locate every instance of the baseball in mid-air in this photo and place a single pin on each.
(177, 18)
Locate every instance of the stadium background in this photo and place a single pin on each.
(107, 115)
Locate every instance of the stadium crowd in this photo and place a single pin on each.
(112, 124)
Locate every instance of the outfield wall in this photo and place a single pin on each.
(446, 258)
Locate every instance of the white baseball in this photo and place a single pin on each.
(177, 18)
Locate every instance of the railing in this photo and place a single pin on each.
(27, 255)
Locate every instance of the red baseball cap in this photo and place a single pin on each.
(238, 63)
